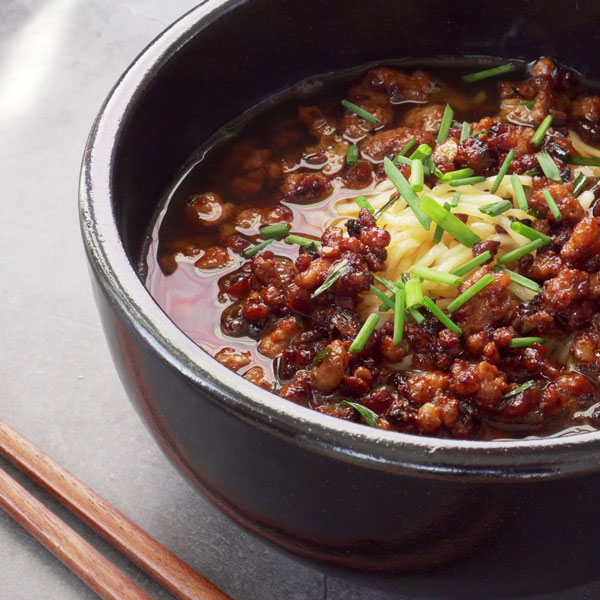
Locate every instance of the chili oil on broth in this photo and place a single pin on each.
(193, 297)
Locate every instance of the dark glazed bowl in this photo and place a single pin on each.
(441, 517)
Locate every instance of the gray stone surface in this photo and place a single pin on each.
(58, 60)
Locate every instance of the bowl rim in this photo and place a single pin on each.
(517, 460)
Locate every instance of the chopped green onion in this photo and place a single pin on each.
(470, 292)
(450, 175)
(352, 155)
(522, 281)
(467, 181)
(552, 205)
(334, 274)
(519, 192)
(387, 301)
(416, 315)
(437, 312)
(319, 357)
(406, 148)
(366, 331)
(364, 203)
(307, 243)
(455, 199)
(417, 178)
(541, 131)
(480, 259)
(361, 112)
(408, 194)
(449, 222)
(445, 125)
(503, 170)
(429, 167)
(298, 320)
(367, 414)
(388, 284)
(399, 308)
(529, 104)
(531, 172)
(496, 208)
(249, 252)
(276, 231)
(529, 232)
(391, 201)
(525, 342)
(422, 152)
(435, 275)
(525, 386)
(584, 161)
(414, 293)
(548, 166)
(402, 160)
(536, 214)
(465, 132)
(489, 73)
(579, 184)
(438, 234)
(520, 252)
(478, 133)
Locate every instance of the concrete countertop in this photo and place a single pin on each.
(58, 61)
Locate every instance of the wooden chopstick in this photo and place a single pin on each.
(70, 548)
(161, 564)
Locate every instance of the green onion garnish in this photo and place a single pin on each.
(531, 172)
(529, 232)
(522, 281)
(584, 161)
(352, 155)
(519, 192)
(406, 148)
(414, 293)
(445, 126)
(438, 234)
(465, 132)
(541, 131)
(467, 181)
(489, 73)
(435, 275)
(387, 301)
(364, 203)
(386, 206)
(334, 274)
(249, 252)
(417, 178)
(399, 308)
(366, 331)
(307, 243)
(480, 259)
(276, 231)
(319, 357)
(408, 194)
(521, 388)
(478, 133)
(520, 252)
(503, 170)
(455, 199)
(437, 312)
(422, 152)
(449, 222)
(389, 285)
(496, 208)
(470, 292)
(361, 112)
(402, 160)
(552, 205)
(579, 184)
(548, 166)
(525, 342)
(366, 413)
(460, 174)
(416, 315)
(529, 104)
